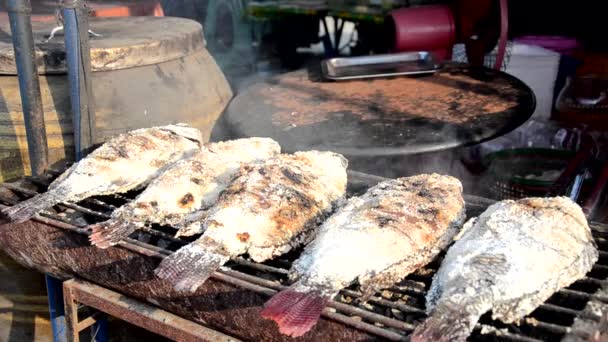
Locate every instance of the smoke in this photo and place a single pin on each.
(253, 58)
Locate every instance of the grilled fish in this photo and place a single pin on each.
(266, 211)
(126, 162)
(187, 187)
(509, 260)
(379, 238)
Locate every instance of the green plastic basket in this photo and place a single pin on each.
(516, 173)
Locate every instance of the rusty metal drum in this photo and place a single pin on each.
(146, 71)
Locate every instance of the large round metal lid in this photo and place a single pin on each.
(391, 116)
(125, 42)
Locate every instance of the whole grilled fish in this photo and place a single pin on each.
(379, 238)
(126, 162)
(270, 208)
(509, 260)
(185, 188)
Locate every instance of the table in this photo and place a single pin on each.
(79, 292)
(382, 117)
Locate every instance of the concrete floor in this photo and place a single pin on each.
(23, 304)
(24, 313)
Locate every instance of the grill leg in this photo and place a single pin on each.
(71, 315)
(107, 302)
(99, 332)
(98, 322)
(55, 293)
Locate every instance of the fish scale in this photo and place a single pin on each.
(362, 223)
(509, 260)
(180, 196)
(268, 209)
(378, 239)
(126, 162)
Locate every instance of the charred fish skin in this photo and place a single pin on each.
(124, 163)
(225, 160)
(509, 260)
(185, 188)
(378, 239)
(266, 211)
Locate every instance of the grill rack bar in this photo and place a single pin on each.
(332, 304)
(390, 335)
(264, 286)
(73, 206)
(554, 328)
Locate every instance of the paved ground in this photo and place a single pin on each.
(23, 304)
(24, 312)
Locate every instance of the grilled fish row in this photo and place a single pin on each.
(248, 198)
(128, 161)
(185, 190)
(379, 238)
(270, 208)
(288, 193)
(509, 260)
(184, 179)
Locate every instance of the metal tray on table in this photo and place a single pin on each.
(385, 65)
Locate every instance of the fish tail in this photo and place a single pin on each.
(110, 233)
(25, 210)
(295, 312)
(191, 266)
(446, 324)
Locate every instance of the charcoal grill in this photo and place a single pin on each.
(381, 117)
(55, 242)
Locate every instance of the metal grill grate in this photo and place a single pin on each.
(391, 314)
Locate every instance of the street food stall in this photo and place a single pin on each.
(275, 233)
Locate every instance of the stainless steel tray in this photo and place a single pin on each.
(409, 63)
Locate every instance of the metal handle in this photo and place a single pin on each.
(591, 101)
(504, 28)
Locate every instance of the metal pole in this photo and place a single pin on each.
(76, 27)
(19, 12)
(54, 292)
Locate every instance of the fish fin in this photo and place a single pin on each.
(446, 324)
(191, 266)
(295, 312)
(110, 233)
(25, 210)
